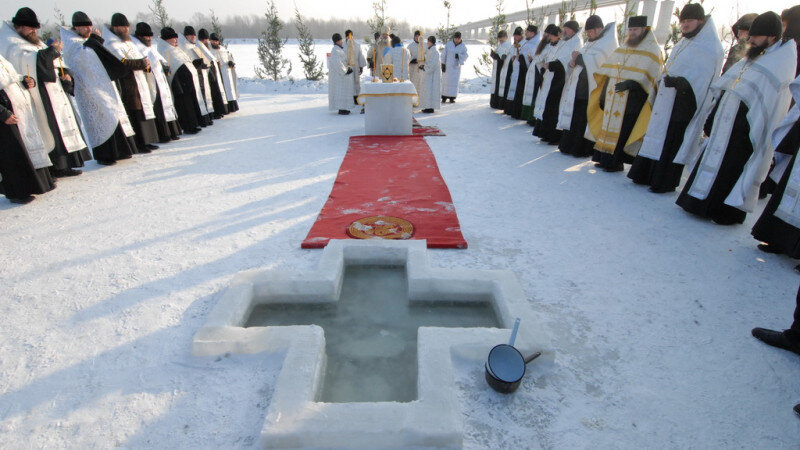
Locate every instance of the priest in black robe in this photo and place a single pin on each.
(217, 94)
(697, 56)
(19, 179)
(168, 130)
(499, 61)
(546, 129)
(64, 162)
(720, 186)
(184, 82)
(573, 141)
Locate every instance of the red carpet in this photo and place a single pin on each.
(419, 130)
(388, 186)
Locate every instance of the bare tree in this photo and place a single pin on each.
(484, 65)
(159, 13)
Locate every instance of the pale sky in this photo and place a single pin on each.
(427, 13)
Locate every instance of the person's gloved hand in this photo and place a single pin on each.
(360, 70)
(413, 61)
(624, 85)
(444, 67)
(231, 64)
(422, 67)
(457, 58)
(349, 71)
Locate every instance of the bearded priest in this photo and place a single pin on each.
(619, 108)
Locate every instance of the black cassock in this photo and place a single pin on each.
(494, 100)
(184, 96)
(217, 97)
(637, 97)
(207, 119)
(117, 146)
(546, 128)
(45, 73)
(664, 175)
(737, 153)
(573, 141)
(167, 131)
(781, 236)
(514, 106)
(19, 178)
(538, 77)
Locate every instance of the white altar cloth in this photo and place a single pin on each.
(388, 108)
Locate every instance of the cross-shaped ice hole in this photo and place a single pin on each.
(371, 332)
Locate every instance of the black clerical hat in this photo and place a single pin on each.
(637, 21)
(336, 37)
(188, 30)
(594, 22)
(168, 33)
(502, 34)
(518, 31)
(418, 33)
(214, 37)
(693, 11)
(119, 20)
(27, 18)
(457, 35)
(532, 28)
(572, 25)
(767, 24)
(202, 34)
(143, 29)
(552, 30)
(81, 19)
(745, 22)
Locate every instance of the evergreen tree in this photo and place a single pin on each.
(270, 48)
(484, 65)
(311, 67)
(215, 25)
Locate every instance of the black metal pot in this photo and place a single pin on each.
(505, 366)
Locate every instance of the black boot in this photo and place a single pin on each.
(355, 99)
(344, 112)
(797, 409)
(776, 339)
(766, 248)
(23, 200)
(428, 111)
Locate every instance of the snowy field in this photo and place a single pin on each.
(106, 279)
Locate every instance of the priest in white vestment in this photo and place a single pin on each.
(416, 51)
(399, 57)
(355, 61)
(500, 58)
(340, 79)
(22, 47)
(24, 161)
(601, 41)
(430, 83)
(203, 42)
(108, 128)
(749, 100)
(163, 106)
(227, 67)
(693, 64)
(201, 64)
(184, 82)
(556, 72)
(453, 57)
(134, 87)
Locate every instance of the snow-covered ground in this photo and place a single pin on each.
(106, 279)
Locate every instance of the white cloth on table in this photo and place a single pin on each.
(388, 108)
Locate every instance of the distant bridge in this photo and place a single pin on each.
(547, 14)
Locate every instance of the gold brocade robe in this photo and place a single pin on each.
(642, 64)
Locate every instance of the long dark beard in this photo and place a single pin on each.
(635, 41)
(32, 37)
(215, 46)
(123, 35)
(755, 51)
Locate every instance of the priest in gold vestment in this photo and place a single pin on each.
(620, 107)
